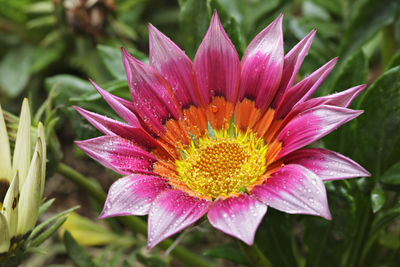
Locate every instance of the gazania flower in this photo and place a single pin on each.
(21, 180)
(220, 137)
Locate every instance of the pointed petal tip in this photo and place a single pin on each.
(327, 215)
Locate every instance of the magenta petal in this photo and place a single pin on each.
(238, 216)
(112, 127)
(151, 94)
(118, 154)
(217, 65)
(171, 212)
(303, 90)
(174, 65)
(292, 63)
(119, 105)
(294, 189)
(328, 165)
(132, 195)
(341, 99)
(262, 65)
(312, 125)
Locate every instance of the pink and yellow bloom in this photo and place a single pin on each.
(220, 136)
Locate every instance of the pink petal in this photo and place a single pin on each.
(328, 165)
(238, 216)
(292, 63)
(312, 125)
(151, 94)
(294, 189)
(171, 212)
(262, 65)
(112, 127)
(341, 99)
(174, 65)
(118, 154)
(217, 65)
(303, 90)
(132, 195)
(119, 105)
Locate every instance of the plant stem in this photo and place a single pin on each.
(134, 223)
(255, 255)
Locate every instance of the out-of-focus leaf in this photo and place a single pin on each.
(44, 56)
(333, 6)
(378, 199)
(112, 60)
(313, 10)
(351, 73)
(326, 239)
(67, 86)
(377, 130)
(389, 241)
(370, 17)
(40, 7)
(125, 30)
(77, 254)
(15, 70)
(394, 62)
(88, 233)
(193, 21)
(230, 251)
(277, 229)
(151, 261)
(43, 21)
(392, 175)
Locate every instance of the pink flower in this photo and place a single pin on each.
(219, 136)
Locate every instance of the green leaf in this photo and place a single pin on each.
(44, 56)
(276, 228)
(378, 199)
(392, 175)
(41, 226)
(370, 17)
(77, 254)
(352, 72)
(45, 206)
(229, 251)
(112, 60)
(15, 70)
(395, 61)
(46, 234)
(378, 128)
(194, 18)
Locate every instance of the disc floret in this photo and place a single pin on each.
(222, 162)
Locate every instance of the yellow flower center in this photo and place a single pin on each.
(222, 163)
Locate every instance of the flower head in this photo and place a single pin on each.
(220, 136)
(21, 180)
